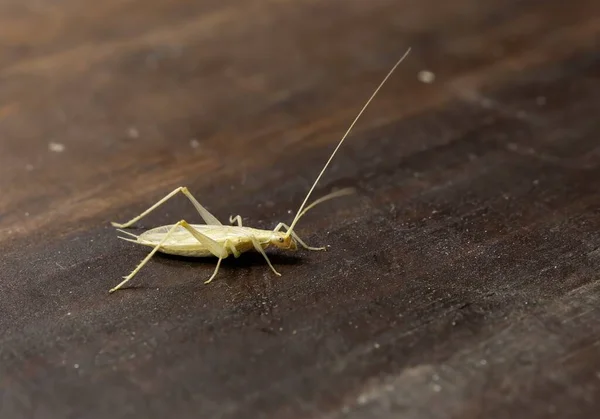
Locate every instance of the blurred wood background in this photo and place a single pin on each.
(463, 279)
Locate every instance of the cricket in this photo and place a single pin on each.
(213, 239)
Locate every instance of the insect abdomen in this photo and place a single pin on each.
(183, 251)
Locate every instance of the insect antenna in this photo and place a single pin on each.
(334, 194)
(302, 210)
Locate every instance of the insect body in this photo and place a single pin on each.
(231, 238)
(221, 241)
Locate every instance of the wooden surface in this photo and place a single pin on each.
(463, 279)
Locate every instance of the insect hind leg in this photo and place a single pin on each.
(147, 258)
(214, 247)
(204, 213)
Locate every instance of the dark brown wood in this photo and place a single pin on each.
(463, 279)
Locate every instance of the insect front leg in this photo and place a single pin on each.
(298, 239)
(237, 219)
(260, 249)
(204, 213)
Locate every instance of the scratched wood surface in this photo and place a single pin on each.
(463, 279)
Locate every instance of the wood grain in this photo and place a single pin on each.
(462, 279)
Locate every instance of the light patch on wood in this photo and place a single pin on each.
(56, 147)
(426, 76)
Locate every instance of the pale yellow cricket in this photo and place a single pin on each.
(218, 240)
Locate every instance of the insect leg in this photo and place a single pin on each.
(233, 250)
(147, 258)
(237, 219)
(215, 272)
(236, 253)
(298, 239)
(204, 213)
(259, 249)
(214, 247)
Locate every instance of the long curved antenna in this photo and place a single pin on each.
(299, 213)
(335, 194)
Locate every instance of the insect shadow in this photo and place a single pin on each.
(248, 261)
(196, 265)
